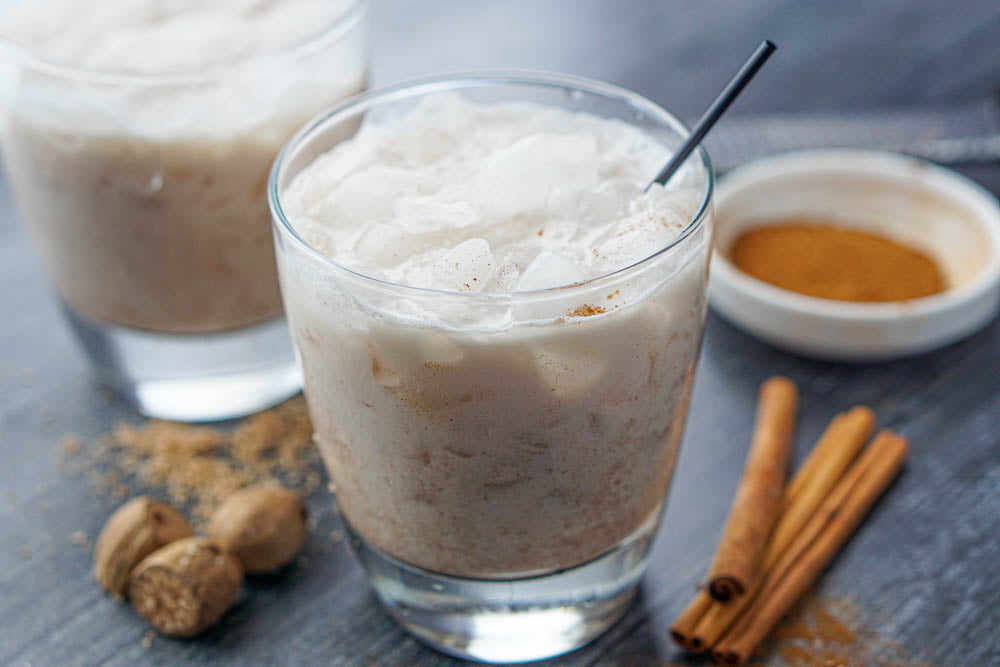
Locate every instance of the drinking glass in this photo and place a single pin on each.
(145, 195)
(501, 460)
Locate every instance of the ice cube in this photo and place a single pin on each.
(319, 236)
(519, 178)
(368, 194)
(558, 233)
(676, 206)
(563, 203)
(311, 195)
(409, 349)
(630, 240)
(384, 244)
(434, 213)
(575, 367)
(507, 278)
(467, 267)
(438, 348)
(605, 202)
(550, 269)
(421, 145)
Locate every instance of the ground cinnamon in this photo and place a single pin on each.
(831, 632)
(831, 262)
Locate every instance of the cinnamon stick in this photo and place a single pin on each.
(718, 620)
(837, 448)
(757, 502)
(683, 628)
(853, 426)
(813, 549)
(703, 622)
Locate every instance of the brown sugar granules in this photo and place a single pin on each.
(831, 262)
(198, 466)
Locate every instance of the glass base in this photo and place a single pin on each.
(193, 377)
(508, 621)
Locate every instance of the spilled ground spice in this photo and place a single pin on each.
(198, 466)
(830, 632)
(831, 262)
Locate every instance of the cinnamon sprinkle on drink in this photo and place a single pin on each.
(587, 310)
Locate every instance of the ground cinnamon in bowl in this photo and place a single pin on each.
(831, 262)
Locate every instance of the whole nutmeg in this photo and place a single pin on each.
(135, 530)
(185, 587)
(263, 525)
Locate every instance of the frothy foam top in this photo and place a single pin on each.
(236, 53)
(464, 197)
(164, 36)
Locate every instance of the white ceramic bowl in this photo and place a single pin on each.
(945, 215)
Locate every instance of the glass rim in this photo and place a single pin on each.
(481, 79)
(295, 50)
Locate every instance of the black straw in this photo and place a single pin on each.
(719, 106)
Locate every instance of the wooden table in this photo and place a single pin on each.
(924, 568)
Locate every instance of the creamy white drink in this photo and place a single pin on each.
(138, 135)
(493, 395)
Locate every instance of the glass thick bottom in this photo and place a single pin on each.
(193, 377)
(507, 621)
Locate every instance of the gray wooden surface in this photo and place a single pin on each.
(924, 568)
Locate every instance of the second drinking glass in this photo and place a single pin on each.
(138, 139)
